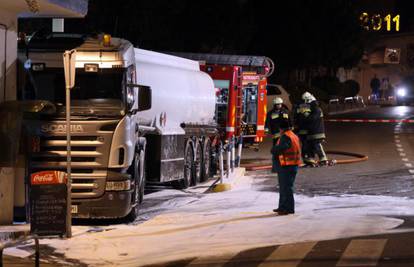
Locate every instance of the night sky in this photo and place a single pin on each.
(295, 33)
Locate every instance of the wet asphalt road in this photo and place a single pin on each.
(385, 173)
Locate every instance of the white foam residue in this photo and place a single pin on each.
(233, 221)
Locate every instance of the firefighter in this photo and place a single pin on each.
(316, 131)
(300, 114)
(287, 151)
(273, 118)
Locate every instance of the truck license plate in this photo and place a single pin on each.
(74, 209)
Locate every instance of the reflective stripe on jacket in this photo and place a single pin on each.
(291, 156)
(273, 120)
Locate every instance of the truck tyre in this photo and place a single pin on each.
(138, 174)
(206, 166)
(198, 163)
(188, 165)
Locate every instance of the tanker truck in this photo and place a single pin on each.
(137, 116)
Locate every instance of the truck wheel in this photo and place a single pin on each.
(198, 164)
(138, 173)
(188, 178)
(206, 167)
(188, 165)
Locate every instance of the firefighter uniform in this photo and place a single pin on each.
(272, 126)
(316, 133)
(287, 151)
(300, 115)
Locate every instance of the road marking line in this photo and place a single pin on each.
(397, 140)
(409, 165)
(398, 145)
(404, 159)
(288, 255)
(400, 149)
(403, 154)
(411, 171)
(362, 252)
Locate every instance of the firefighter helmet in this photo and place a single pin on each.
(308, 97)
(277, 101)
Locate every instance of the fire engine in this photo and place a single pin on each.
(240, 83)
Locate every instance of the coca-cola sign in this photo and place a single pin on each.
(48, 177)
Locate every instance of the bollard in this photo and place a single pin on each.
(222, 186)
(37, 255)
(221, 163)
(233, 153)
(228, 156)
(239, 151)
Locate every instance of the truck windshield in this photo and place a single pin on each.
(50, 85)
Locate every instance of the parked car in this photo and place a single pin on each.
(276, 90)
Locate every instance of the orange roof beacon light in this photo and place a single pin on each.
(106, 39)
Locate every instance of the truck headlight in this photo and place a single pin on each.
(401, 92)
(118, 185)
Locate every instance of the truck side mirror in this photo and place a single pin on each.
(144, 97)
(144, 94)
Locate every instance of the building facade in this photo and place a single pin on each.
(11, 174)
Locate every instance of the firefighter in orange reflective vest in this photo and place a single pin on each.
(273, 118)
(287, 151)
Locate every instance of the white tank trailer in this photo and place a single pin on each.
(137, 116)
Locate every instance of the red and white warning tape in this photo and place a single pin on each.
(370, 120)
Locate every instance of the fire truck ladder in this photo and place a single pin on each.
(234, 60)
(239, 109)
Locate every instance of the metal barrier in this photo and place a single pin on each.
(17, 241)
(232, 161)
(374, 100)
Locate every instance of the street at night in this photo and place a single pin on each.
(221, 133)
(340, 210)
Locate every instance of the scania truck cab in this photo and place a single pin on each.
(107, 153)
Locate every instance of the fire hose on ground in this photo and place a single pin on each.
(356, 158)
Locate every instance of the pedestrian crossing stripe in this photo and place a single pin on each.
(358, 252)
(362, 252)
(288, 255)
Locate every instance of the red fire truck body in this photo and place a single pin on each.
(240, 83)
(228, 84)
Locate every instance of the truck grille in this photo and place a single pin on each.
(89, 152)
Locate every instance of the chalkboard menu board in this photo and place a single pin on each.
(48, 203)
